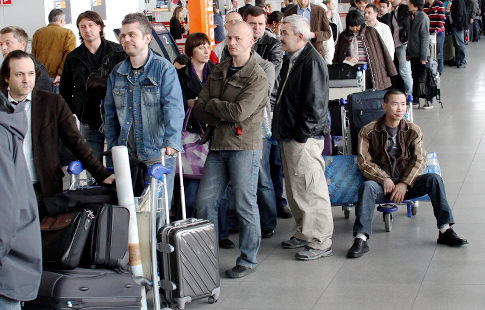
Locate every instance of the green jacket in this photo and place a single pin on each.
(233, 107)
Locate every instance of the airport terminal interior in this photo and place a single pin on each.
(405, 268)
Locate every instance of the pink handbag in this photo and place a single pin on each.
(195, 153)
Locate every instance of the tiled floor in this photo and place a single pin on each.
(405, 269)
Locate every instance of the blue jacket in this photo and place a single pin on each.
(153, 100)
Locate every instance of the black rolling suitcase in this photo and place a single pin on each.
(363, 108)
(86, 289)
(189, 251)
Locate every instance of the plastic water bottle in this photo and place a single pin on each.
(409, 100)
(359, 77)
(432, 164)
(266, 126)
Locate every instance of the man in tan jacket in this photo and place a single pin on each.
(317, 18)
(51, 44)
(231, 104)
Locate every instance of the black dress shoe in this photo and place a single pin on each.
(358, 248)
(267, 233)
(239, 271)
(450, 238)
(284, 212)
(226, 244)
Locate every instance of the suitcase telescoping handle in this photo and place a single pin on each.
(182, 190)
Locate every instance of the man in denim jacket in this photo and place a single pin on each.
(144, 104)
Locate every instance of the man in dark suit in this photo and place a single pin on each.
(49, 119)
(317, 17)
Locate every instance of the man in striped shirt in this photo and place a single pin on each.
(436, 13)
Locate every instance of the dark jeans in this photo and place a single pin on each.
(475, 31)
(371, 192)
(94, 138)
(460, 47)
(276, 169)
(266, 194)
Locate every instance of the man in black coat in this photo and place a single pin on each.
(300, 122)
(80, 63)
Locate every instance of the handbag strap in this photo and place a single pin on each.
(186, 120)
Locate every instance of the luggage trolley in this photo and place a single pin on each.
(344, 80)
(344, 179)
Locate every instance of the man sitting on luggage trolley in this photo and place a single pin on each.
(392, 158)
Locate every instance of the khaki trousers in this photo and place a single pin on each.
(307, 191)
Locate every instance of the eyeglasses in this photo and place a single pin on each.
(233, 21)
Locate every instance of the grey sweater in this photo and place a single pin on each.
(418, 39)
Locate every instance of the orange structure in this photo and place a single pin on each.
(201, 18)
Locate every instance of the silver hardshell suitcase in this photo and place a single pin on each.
(189, 258)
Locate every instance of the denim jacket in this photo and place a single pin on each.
(153, 100)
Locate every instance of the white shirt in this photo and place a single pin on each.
(386, 36)
(27, 145)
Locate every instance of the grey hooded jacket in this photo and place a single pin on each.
(20, 245)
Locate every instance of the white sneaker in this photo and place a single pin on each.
(428, 106)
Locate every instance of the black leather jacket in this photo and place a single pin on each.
(73, 85)
(403, 20)
(301, 110)
(270, 49)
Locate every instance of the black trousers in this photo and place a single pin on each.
(418, 72)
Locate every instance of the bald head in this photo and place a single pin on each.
(232, 18)
(240, 40)
(241, 28)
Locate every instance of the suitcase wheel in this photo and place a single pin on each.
(211, 299)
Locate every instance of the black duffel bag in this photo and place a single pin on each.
(105, 243)
(64, 237)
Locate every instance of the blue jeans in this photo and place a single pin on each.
(440, 44)
(266, 193)
(371, 192)
(460, 48)
(404, 69)
(94, 138)
(9, 304)
(55, 89)
(241, 168)
(276, 168)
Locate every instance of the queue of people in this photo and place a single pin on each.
(258, 78)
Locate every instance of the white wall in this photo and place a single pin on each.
(28, 14)
(32, 14)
